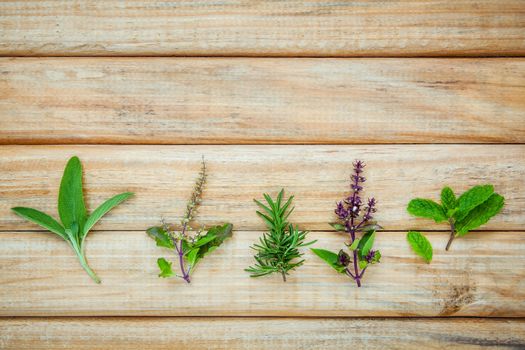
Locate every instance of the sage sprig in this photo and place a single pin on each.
(76, 224)
(278, 249)
(469, 211)
(189, 246)
(354, 218)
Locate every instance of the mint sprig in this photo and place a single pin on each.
(469, 211)
(420, 245)
(76, 224)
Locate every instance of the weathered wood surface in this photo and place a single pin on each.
(259, 333)
(253, 28)
(163, 176)
(483, 275)
(313, 101)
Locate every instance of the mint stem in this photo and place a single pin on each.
(452, 233)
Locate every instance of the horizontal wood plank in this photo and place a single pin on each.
(259, 333)
(274, 28)
(483, 275)
(250, 101)
(162, 178)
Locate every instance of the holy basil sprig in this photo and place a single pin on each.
(190, 248)
(278, 249)
(469, 211)
(353, 220)
(76, 224)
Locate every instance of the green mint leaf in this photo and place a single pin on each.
(103, 209)
(165, 268)
(426, 208)
(480, 214)
(338, 227)
(421, 245)
(354, 244)
(471, 199)
(366, 243)
(160, 236)
(448, 200)
(41, 219)
(330, 258)
(71, 207)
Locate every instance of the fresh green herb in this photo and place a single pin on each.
(472, 209)
(72, 211)
(421, 245)
(278, 249)
(189, 246)
(354, 220)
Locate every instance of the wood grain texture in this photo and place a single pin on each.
(255, 28)
(246, 100)
(162, 178)
(483, 275)
(259, 334)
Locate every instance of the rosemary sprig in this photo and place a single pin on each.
(278, 249)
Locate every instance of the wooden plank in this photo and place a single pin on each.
(483, 275)
(163, 176)
(217, 101)
(259, 333)
(283, 28)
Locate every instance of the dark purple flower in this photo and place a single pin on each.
(340, 211)
(370, 256)
(370, 209)
(343, 258)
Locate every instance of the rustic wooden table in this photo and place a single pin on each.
(273, 94)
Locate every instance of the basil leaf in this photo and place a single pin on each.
(165, 268)
(366, 243)
(160, 236)
(330, 258)
(338, 227)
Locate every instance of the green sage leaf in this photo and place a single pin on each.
(71, 207)
(41, 219)
(103, 209)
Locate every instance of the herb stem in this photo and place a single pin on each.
(185, 275)
(284, 275)
(452, 233)
(85, 266)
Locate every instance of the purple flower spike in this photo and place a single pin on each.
(340, 211)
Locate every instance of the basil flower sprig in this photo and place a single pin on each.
(189, 248)
(354, 218)
(76, 224)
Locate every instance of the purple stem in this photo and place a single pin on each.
(185, 275)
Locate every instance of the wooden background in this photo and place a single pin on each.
(273, 94)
